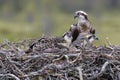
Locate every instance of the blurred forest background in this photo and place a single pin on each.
(25, 19)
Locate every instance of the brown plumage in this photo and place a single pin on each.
(83, 21)
(75, 30)
(82, 26)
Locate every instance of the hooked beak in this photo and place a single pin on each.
(96, 38)
(75, 16)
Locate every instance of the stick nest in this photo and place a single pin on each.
(95, 63)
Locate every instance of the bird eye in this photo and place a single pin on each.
(89, 37)
(78, 13)
(82, 14)
(42, 41)
(70, 35)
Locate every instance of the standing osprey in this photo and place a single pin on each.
(83, 24)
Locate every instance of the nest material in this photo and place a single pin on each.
(95, 63)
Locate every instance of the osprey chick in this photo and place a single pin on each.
(68, 38)
(85, 39)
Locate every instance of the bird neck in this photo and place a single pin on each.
(81, 21)
(91, 40)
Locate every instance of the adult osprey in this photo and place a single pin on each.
(83, 24)
(83, 21)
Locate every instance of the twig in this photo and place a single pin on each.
(80, 72)
(103, 69)
(12, 75)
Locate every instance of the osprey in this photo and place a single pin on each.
(83, 22)
(75, 30)
(82, 40)
(85, 39)
(68, 38)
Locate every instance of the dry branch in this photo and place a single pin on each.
(95, 63)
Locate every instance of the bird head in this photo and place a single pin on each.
(68, 36)
(81, 15)
(91, 37)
